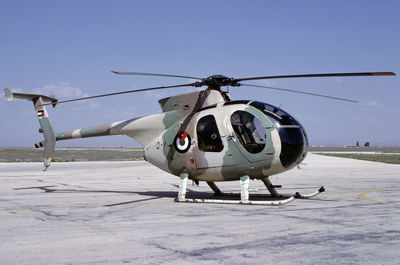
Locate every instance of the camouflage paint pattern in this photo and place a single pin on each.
(178, 122)
(229, 164)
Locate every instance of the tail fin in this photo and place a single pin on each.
(43, 117)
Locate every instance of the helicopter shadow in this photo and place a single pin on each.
(150, 195)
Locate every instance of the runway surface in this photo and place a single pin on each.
(124, 212)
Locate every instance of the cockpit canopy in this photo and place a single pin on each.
(294, 142)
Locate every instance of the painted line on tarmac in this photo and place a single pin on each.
(345, 192)
(364, 197)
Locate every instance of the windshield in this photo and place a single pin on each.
(293, 136)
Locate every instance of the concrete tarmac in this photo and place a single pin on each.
(124, 212)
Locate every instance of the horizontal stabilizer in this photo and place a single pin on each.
(11, 95)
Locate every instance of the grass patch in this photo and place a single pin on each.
(71, 155)
(378, 149)
(383, 158)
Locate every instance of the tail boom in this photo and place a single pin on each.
(101, 130)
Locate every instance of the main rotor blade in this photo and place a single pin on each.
(119, 93)
(151, 74)
(301, 92)
(316, 75)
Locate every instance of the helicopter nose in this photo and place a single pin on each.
(294, 142)
(294, 146)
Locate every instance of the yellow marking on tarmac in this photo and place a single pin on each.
(364, 197)
(344, 192)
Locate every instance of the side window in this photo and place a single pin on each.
(249, 131)
(208, 137)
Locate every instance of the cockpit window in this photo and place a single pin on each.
(293, 137)
(209, 139)
(277, 115)
(249, 131)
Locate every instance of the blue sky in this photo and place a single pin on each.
(68, 48)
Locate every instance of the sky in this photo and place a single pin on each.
(68, 49)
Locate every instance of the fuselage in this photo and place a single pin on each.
(230, 139)
(213, 138)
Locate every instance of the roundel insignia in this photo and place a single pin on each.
(182, 142)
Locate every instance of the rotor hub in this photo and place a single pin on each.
(217, 81)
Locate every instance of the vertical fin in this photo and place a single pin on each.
(47, 130)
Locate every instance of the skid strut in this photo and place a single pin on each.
(244, 194)
(271, 188)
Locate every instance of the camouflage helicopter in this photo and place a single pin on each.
(204, 135)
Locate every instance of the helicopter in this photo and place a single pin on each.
(205, 135)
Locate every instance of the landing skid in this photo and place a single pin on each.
(306, 196)
(244, 193)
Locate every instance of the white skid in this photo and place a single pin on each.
(244, 194)
(269, 203)
(306, 196)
